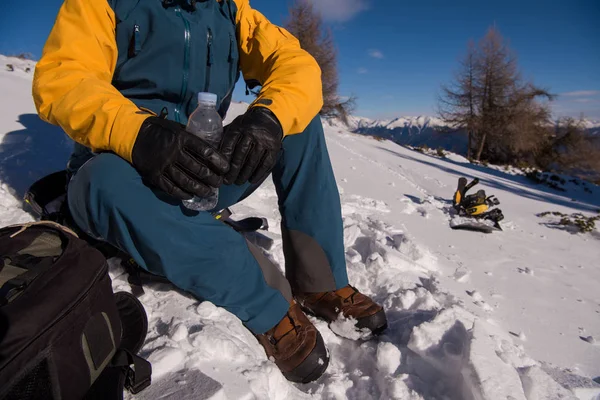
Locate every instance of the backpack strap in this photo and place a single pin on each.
(126, 370)
(137, 276)
(137, 378)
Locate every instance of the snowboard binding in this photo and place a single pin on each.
(477, 206)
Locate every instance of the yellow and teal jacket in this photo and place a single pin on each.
(108, 64)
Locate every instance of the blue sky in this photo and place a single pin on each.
(394, 55)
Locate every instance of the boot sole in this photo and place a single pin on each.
(376, 323)
(310, 369)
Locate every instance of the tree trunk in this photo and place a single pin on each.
(469, 144)
(481, 145)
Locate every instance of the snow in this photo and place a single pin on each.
(165, 360)
(388, 357)
(508, 315)
(538, 385)
(346, 327)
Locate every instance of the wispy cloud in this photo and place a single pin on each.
(375, 53)
(582, 93)
(339, 10)
(574, 106)
(362, 70)
(587, 101)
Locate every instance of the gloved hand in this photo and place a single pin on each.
(251, 143)
(175, 161)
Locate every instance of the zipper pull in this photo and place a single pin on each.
(137, 45)
(164, 113)
(209, 41)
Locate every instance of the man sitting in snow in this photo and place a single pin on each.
(121, 77)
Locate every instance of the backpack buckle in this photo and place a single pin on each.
(132, 384)
(10, 289)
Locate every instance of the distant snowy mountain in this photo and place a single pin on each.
(427, 130)
(592, 127)
(592, 124)
(417, 124)
(414, 131)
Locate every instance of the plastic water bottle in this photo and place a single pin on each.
(206, 123)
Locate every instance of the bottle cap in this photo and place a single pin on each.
(205, 97)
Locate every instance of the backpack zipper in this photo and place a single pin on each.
(209, 58)
(186, 65)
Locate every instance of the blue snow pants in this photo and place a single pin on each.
(202, 255)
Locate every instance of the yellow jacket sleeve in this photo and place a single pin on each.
(72, 81)
(290, 77)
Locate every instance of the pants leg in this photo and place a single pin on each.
(193, 250)
(309, 202)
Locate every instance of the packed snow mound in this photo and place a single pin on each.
(468, 314)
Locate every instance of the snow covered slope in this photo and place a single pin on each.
(520, 309)
(19, 65)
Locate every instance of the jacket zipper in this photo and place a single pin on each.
(209, 59)
(230, 56)
(231, 72)
(230, 59)
(137, 46)
(186, 65)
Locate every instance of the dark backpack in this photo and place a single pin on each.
(64, 334)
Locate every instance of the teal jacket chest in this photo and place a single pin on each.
(170, 50)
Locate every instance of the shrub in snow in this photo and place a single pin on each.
(378, 138)
(575, 222)
(560, 182)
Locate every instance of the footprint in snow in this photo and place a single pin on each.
(462, 275)
(361, 205)
(589, 339)
(526, 270)
(479, 301)
(520, 335)
(178, 332)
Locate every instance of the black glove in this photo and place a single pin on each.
(251, 143)
(175, 161)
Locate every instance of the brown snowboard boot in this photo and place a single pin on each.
(296, 347)
(350, 303)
